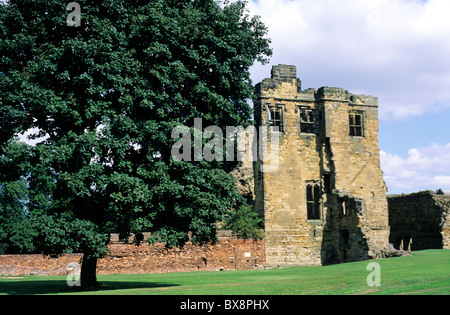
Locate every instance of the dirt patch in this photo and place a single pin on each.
(366, 292)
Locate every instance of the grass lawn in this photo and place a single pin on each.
(426, 272)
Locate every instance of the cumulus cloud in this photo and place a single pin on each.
(423, 168)
(395, 49)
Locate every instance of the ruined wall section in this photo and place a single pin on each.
(420, 218)
(357, 176)
(443, 202)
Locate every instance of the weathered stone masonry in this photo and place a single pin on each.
(421, 218)
(326, 202)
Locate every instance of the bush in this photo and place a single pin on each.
(245, 223)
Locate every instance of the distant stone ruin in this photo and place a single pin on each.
(420, 220)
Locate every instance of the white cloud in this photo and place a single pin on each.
(423, 168)
(395, 49)
(443, 181)
(24, 137)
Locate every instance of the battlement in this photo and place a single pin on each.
(284, 84)
(339, 94)
(284, 73)
(332, 93)
(280, 74)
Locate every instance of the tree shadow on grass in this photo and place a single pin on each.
(26, 287)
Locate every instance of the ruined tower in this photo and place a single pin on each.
(326, 201)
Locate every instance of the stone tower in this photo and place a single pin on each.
(326, 201)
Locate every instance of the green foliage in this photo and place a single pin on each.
(66, 235)
(245, 223)
(16, 232)
(106, 95)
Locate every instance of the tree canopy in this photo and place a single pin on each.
(103, 98)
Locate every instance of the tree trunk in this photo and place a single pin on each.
(88, 276)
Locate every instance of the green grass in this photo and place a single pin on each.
(426, 272)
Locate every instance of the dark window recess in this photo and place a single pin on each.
(306, 121)
(351, 206)
(327, 183)
(313, 202)
(344, 238)
(344, 243)
(276, 117)
(358, 207)
(356, 125)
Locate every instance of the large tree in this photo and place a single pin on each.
(105, 96)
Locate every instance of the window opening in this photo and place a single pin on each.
(358, 207)
(356, 124)
(306, 120)
(313, 202)
(327, 183)
(276, 117)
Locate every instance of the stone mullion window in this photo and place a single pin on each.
(307, 118)
(276, 117)
(356, 123)
(313, 202)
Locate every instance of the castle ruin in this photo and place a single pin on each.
(323, 203)
(419, 220)
(326, 202)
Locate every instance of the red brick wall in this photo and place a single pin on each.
(229, 254)
(18, 265)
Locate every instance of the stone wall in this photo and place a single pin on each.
(21, 265)
(422, 218)
(228, 254)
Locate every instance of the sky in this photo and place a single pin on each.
(397, 50)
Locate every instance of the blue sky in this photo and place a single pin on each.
(397, 50)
